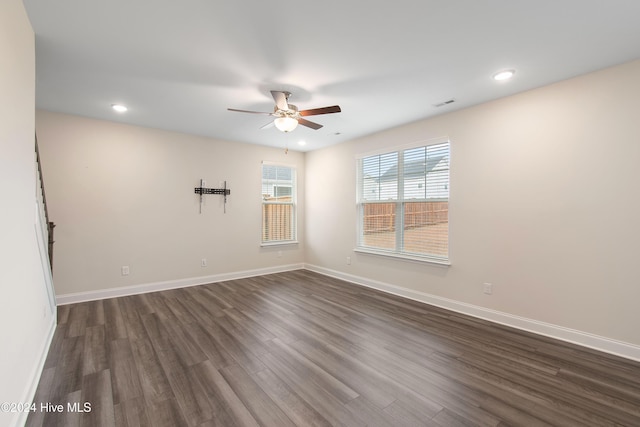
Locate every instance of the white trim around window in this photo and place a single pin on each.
(279, 204)
(403, 202)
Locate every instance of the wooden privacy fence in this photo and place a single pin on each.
(381, 217)
(277, 220)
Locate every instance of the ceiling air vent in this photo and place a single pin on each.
(442, 104)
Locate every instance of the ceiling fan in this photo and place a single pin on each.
(287, 116)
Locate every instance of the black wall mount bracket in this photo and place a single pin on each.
(202, 190)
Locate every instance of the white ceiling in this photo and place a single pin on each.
(179, 64)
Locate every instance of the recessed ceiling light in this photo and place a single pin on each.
(119, 108)
(503, 75)
(302, 143)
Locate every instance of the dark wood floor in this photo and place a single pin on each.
(298, 349)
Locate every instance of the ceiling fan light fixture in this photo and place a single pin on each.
(285, 124)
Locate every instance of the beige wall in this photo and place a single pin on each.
(544, 204)
(124, 195)
(25, 315)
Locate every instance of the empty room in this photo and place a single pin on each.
(225, 213)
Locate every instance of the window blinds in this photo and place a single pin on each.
(278, 203)
(403, 202)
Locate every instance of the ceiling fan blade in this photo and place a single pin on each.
(309, 124)
(247, 111)
(324, 110)
(281, 99)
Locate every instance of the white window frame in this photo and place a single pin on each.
(293, 203)
(399, 201)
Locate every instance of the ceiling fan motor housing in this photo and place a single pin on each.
(292, 111)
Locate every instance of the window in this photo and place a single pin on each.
(403, 203)
(278, 204)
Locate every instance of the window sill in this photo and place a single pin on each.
(281, 243)
(406, 257)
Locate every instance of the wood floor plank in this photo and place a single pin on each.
(131, 317)
(256, 314)
(369, 382)
(214, 351)
(403, 415)
(447, 418)
(154, 383)
(235, 348)
(36, 417)
(160, 308)
(230, 410)
(374, 416)
(623, 389)
(188, 394)
(568, 392)
(77, 321)
(221, 300)
(95, 357)
(97, 392)
(173, 301)
(299, 348)
(357, 375)
(296, 408)
(305, 327)
(265, 411)
(166, 413)
(114, 321)
(527, 403)
(63, 313)
(69, 418)
(55, 349)
(124, 371)
(244, 337)
(318, 397)
(143, 304)
(202, 298)
(245, 323)
(188, 350)
(306, 368)
(132, 413)
(68, 376)
(95, 316)
(196, 407)
(201, 306)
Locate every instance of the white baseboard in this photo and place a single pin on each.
(36, 373)
(170, 284)
(607, 345)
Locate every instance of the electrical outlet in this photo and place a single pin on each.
(279, 254)
(203, 262)
(487, 288)
(125, 270)
(348, 260)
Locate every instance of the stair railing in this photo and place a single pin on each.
(50, 224)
